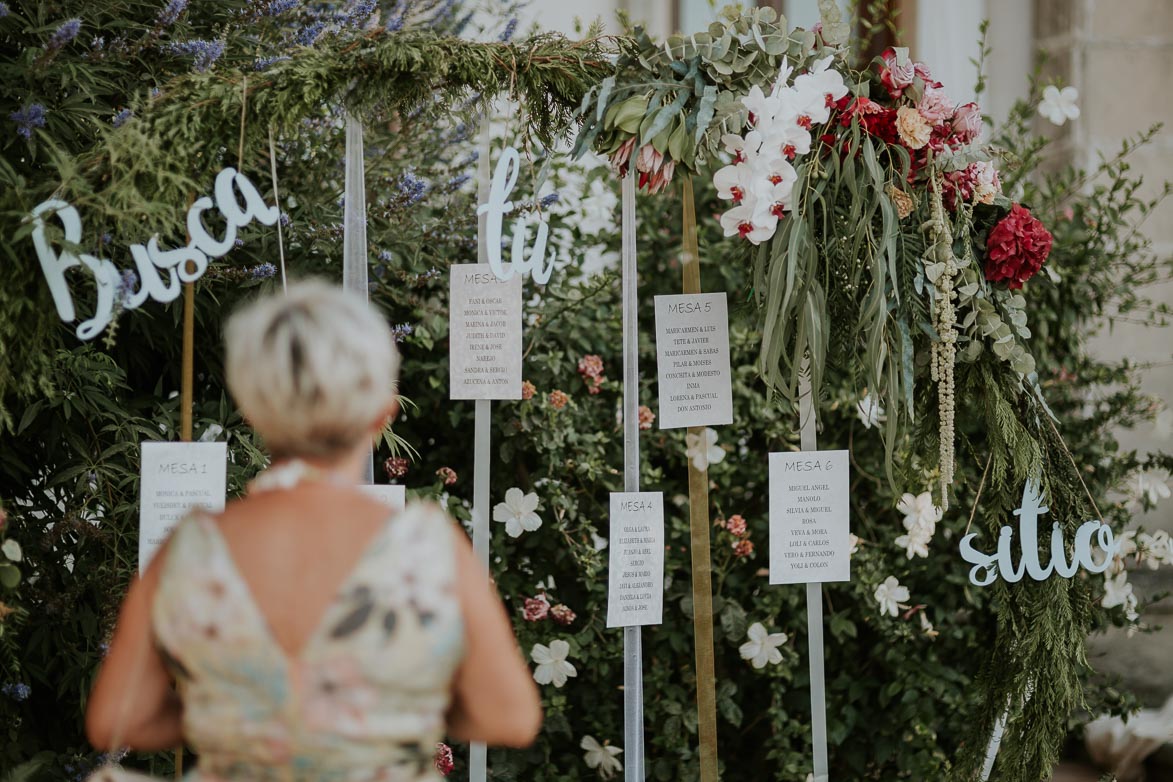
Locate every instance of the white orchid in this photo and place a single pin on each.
(702, 450)
(601, 757)
(1059, 105)
(870, 412)
(762, 647)
(1154, 484)
(552, 665)
(517, 512)
(890, 595)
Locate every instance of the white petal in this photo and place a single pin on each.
(513, 499)
(756, 632)
(749, 650)
(513, 527)
(776, 639)
(544, 674)
(589, 744)
(501, 512)
(774, 656)
(559, 649)
(531, 522)
(541, 654)
(529, 503)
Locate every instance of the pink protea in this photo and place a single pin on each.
(621, 157)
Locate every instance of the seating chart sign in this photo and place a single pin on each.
(177, 477)
(391, 495)
(810, 535)
(692, 360)
(484, 324)
(635, 584)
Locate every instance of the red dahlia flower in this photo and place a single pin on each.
(1017, 248)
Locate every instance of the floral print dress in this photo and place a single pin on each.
(365, 698)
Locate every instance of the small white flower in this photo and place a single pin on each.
(854, 540)
(517, 512)
(870, 412)
(702, 450)
(599, 542)
(762, 647)
(552, 664)
(601, 757)
(211, 433)
(1154, 484)
(12, 550)
(920, 510)
(927, 626)
(1157, 548)
(1163, 424)
(1059, 105)
(889, 595)
(916, 541)
(1117, 590)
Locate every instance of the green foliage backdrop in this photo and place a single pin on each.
(901, 699)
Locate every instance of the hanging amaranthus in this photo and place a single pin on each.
(941, 270)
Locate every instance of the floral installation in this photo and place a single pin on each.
(552, 666)
(518, 512)
(761, 648)
(603, 758)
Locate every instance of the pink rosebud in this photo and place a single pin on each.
(535, 608)
(967, 122)
(562, 614)
(443, 760)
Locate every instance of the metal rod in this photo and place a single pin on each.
(808, 440)
(354, 236)
(633, 686)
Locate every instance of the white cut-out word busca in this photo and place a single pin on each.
(988, 567)
(182, 264)
(499, 205)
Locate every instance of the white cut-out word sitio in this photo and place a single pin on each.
(182, 264)
(499, 205)
(988, 567)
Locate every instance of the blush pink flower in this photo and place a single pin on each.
(558, 399)
(967, 122)
(743, 549)
(737, 526)
(562, 614)
(536, 608)
(646, 417)
(447, 474)
(528, 390)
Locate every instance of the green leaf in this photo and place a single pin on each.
(9, 576)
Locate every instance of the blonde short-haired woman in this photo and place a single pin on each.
(314, 635)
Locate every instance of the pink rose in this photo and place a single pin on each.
(935, 106)
(967, 122)
(536, 608)
(895, 76)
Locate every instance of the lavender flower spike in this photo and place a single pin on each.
(64, 34)
(31, 116)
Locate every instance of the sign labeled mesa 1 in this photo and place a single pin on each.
(810, 530)
(692, 360)
(177, 477)
(484, 327)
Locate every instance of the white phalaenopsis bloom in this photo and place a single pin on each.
(517, 512)
(919, 510)
(890, 595)
(1154, 484)
(1059, 105)
(870, 412)
(760, 179)
(702, 450)
(552, 665)
(762, 646)
(601, 757)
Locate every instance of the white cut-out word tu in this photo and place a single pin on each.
(182, 264)
(499, 205)
(988, 567)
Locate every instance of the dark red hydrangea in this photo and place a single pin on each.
(1017, 248)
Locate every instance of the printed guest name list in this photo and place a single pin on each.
(692, 360)
(485, 334)
(177, 477)
(635, 584)
(810, 536)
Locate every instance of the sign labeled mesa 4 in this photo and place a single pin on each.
(635, 584)
(810, 534)
(692, 360)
